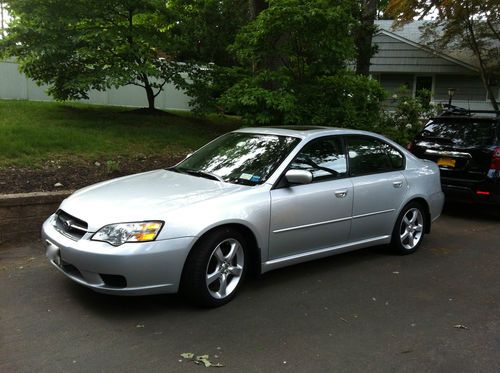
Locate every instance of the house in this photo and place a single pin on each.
(402, 59)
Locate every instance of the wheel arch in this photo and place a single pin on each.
(423, 202)
(250, 238)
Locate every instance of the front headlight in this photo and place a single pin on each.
(118, 234)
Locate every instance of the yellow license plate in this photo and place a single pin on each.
(446, 162)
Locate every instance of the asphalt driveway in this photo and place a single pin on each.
(436, 310)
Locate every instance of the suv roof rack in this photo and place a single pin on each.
(460, 111)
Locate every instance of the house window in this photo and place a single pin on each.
(423, 87)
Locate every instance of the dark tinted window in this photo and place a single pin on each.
(465, 133)
(324, 157)
(368, 155)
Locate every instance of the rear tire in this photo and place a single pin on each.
(215, 268)
(409, 230)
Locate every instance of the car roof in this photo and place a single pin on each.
(303, 131)
(445, 118)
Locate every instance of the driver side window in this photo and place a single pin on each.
(324, 158)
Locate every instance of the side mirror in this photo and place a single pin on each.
(299, 176)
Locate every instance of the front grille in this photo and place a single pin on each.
(70, 226)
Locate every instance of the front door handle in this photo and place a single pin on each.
(397, 184)
(341, 193)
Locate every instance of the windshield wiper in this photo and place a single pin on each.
(201, 173)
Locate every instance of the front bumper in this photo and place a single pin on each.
(130, 269)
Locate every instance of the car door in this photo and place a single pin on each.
(379, 186)
(316, 215)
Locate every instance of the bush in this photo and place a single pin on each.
(408, 117)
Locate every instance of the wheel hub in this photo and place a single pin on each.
(224, 268)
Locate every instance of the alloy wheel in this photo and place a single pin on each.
(225, 268)
(412, 226)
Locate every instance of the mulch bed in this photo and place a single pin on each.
(76, 173)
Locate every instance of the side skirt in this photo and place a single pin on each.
(321, 253)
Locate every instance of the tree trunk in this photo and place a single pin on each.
(482, 66)
(151, 97)
(257, 6)
(364, 37)
(149, 92)
(2, 29)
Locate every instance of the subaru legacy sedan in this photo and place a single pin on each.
(250, 201)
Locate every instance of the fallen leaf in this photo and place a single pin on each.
(460, 326)
(187, 355)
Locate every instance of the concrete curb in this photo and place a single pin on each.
(22, 215)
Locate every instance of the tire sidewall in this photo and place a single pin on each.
(396, 239)
(193, 281)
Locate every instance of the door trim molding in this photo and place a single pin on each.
(331, 221)
(311, 225)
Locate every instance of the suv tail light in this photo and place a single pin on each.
(495, 160)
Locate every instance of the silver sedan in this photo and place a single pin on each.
(250, 201)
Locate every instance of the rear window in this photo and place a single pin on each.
(467, 133)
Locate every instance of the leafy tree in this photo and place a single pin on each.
(202, 33)
(75, 46)
(459, 24)
(205, 28)
(296, 54)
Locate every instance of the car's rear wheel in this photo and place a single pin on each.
(409, 229)
(215, 268)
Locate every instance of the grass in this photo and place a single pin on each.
(34, 132)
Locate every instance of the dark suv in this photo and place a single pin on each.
(466, 147)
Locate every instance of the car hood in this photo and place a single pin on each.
(146, 196)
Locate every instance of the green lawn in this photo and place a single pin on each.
(33, 132)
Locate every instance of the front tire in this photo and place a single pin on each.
(408, 231)
(215, 268)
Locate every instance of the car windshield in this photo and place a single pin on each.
(465, 133)
(241, 158)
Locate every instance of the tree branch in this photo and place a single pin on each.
(160, 88)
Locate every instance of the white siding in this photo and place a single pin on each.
(15, 85)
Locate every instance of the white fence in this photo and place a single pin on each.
(15, 85)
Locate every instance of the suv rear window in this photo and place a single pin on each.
(467, 133)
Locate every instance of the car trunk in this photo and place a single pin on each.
(463, 147)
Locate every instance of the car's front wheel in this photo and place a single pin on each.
(215, 268)
(409, 229)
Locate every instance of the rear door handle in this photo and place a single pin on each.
(341, 193)
(397, 184)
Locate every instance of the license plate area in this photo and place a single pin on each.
(446, 162)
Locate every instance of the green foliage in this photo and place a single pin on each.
(342, 100)
(204, 29)
(206, 84)
(112, 166)
(306, 38)
(407, 117)
(91, 44)
(295, 55)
